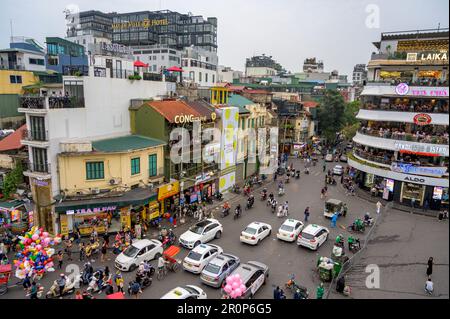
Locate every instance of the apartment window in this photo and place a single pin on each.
(206, 77)
(152, 165)
(15, 79)
(162, 57)
(214, 78)
(199, 76)
(39, 160)
(36, 61)
(253, 123)
(154, 68)
(154, 57)
(135, 166)
(37, 128)
(95, 170)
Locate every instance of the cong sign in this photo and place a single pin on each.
(422, 119)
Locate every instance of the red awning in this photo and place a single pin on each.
(140, 64)
(175, 69)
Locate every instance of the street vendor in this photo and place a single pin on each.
(340, 240)
(320, 291)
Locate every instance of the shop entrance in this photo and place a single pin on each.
(412, 194)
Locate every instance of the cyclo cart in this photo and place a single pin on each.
(5, 273)
(171, 263)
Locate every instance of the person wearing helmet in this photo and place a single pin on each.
(61, 284)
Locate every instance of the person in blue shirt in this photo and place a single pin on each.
(334, 219)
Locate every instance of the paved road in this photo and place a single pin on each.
(282, 258)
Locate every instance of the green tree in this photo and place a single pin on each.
(351, 110)
(12, 180)
(331, 114)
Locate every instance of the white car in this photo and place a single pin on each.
(329, 158)
(255, 232)
(185, 292)
(201, 233)
(338, 170)
(290, 230)
(313, 236)
(137, 252)
(200, 256)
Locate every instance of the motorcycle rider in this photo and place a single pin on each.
(264, 194)
(367, 218)
(274, 205)
(226, 209)
(61, 281)
(238, 210)
(250, 201)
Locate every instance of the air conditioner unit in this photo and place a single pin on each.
(114, 181)
(95, 190)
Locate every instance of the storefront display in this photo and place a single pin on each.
(14, 216)
(412, 191)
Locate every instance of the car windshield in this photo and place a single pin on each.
(212, 268)
(287, 228)
(196, 229)
(250, 230)
(131, 251)
(191, 290)
(194, 256)
(307, 236)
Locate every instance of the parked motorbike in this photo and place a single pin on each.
(236, 189)
(218, 195)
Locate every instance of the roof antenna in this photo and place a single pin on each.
(11, 26)
(439, 26)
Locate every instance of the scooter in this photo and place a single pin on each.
(236, 189)
(274, 207)
(53, 292)
(280, 191)
(225, 212)
(306, 171)
(250, 204)
(237, 213)
(263, 196)
(297, 174)
(218, 196)
(287, 179)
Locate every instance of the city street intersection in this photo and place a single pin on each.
(400, 237)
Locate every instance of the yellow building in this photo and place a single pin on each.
(219, 94)
(98, 179)
(12, 81)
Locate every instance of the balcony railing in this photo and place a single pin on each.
(76, 70)
(39, 167)
(395, 82)
(35, 135)
(406, 136)
(406, 108)
(32, 102)
(65, 102)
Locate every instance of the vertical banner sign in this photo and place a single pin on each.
(125, 217)
(64, 225)
(30, 219)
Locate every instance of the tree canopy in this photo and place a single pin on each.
(331, 114)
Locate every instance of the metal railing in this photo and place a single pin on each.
(65, 102)
(405, 108)
(39, 167)
(405, 137)
(76, 70)
(32, 102)
(35, 135)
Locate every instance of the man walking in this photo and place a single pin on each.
(379, 205)
(334, 220)
(306, 214)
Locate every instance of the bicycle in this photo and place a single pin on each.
(169, 266)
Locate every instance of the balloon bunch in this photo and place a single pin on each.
(36, 253)
(234, 287)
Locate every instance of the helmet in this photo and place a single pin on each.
(62, 275)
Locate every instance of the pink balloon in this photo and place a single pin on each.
(229, 280)
(45, 234)
(243, 288)
(35, 237)
(235, 285)
(38, 247)
(238, 292)
(228, 289)
(233, 294)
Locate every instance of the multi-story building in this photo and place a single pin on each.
(228, 75)
(262, 66)
(200, 66)
(143, 28)
(401, 151)
(359, 74)
(65, 57)
(93, 108)
(158, 57)
(312, 65)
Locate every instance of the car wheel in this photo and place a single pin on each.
(132, 267)
(197, 243)
(259, 240)
(270, 232)
(157, 255)
(218, 235)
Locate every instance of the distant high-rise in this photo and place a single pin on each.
(359, 74)
(312, 65)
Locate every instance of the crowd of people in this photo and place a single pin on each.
(399, 133)
(402, 107)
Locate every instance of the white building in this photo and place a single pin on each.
(96, 108)
(227, 75)
(200, 66)
(115, 59)
(21, 59)
(158, 57)
(359, 74)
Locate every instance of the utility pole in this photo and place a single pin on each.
(11, 26)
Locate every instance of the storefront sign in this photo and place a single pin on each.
(414, 179)
(427, 56)
(402, 89)
(180, 119)
(437, 193)
(421, 148)
(168, 190)
(115, 48)
(203, 178)
(146, 24)
(422, 119)
(91, 211)
(15, 215)
(40, 183)
(64, 225)
(429, 91)
(418, 170)
(125, 217)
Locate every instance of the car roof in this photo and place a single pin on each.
(207, 222)
(291, 222)
(202, 248)
(221, 259)
(178, 292)
(142, 243)
(334, 201)
(245, 271)
(312, 229)
(257, 224)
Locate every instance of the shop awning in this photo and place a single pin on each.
(175, 69)
(140, 64)
(135, 197)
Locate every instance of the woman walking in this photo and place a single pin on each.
(430, 267)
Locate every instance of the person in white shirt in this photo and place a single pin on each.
(429, 286)
(379, 205)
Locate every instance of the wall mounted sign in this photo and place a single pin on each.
(418, 170)
(429, 91)
(427, 56)
(422, 119)
(115, 48)
(180, 119)
(421, 148)
(402, 89)
(168, 190)
(437, 193)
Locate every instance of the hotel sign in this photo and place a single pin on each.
(418, 170)
(145, 24)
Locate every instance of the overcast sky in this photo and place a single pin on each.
(334, 31)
